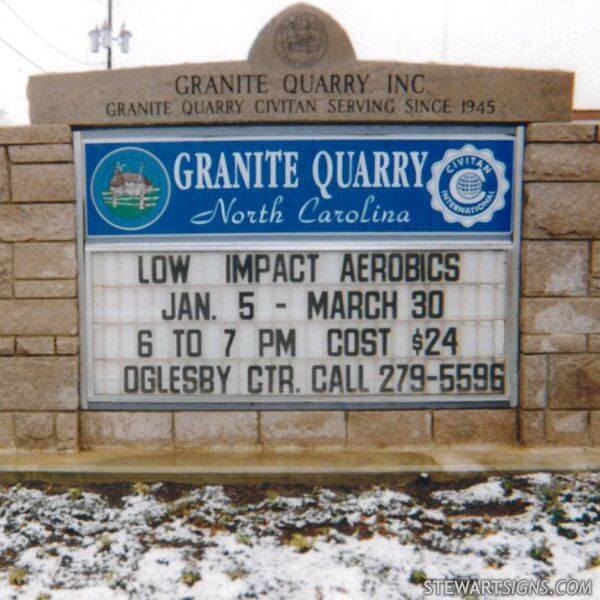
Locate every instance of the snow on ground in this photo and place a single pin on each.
(182, 542)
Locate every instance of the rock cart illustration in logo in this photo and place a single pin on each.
(468, 186)
(130, 188)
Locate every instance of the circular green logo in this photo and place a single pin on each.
(130, 188)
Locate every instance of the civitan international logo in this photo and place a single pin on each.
(468, 186)
(130, 188)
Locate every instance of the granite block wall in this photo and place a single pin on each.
(559, 399)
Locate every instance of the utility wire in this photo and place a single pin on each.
(12, 10)
(22, 55)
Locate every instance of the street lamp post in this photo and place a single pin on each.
(103, 36)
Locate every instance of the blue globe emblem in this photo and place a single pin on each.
(468, 185)
(130, 188)
(468, 190)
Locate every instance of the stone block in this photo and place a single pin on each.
(595, 269)
(303, 429)
(595, 428)
(37, 222)
(568, 427)
(38, 317)
(594, 343)
(532, 381)
(554, 268)
(4, 176)
(88, 98)
(531, 427)
(126, 430)
(561, 132)
(595, 264)
(35, 134)
(6, 271)
(562, 210)
(562, 162)
(7, 430)
(7, 346)
(381, 429)
(45, 288)
(43, 183)
(39, 383)
(553, 343)
(475, 426)
(560, 315)
(67, 345)
(35, 345)
(34, 431)
(216, 430)
(67, 431)
(41, 153)
(51, 260)
(574, 381)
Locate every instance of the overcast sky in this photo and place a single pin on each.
(563, 34)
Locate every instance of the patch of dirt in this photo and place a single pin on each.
(7, 558)
(170, 491)
(421, 488)
(487, 509)
(113, 493)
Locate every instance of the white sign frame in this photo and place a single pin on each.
(389, 243)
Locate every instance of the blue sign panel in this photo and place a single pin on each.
(278, 185)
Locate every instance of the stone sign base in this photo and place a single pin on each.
(301, 69)
(560, 323)
(323, 467)
(559, 401)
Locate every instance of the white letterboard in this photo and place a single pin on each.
(257, 325)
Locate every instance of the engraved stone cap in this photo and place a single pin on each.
(300, 69)
(302, 36)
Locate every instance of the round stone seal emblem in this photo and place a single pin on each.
(130, 188)
(301, 40)
(468, 186)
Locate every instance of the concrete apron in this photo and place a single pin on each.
(293, 466)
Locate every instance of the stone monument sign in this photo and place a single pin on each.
(299, 249)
